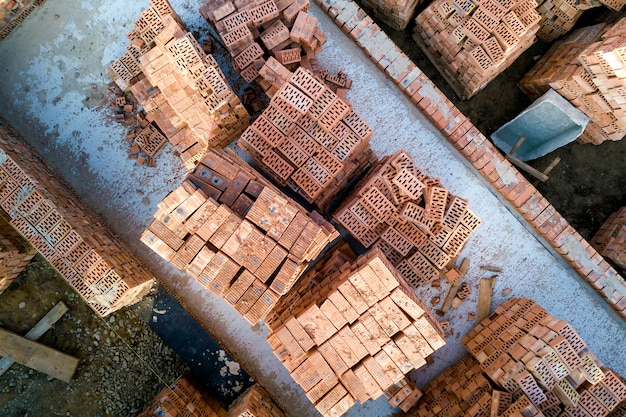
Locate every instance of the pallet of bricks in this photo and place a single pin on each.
(68, 234)
(237, 234)
(395, 13)
(588, 68)
(351, 330)
(610, 240)
(308, 138)
(524, 362)
(413, 219)
(470, 42)
(184, 91)
(255, 402)
(15, 252)
(182, 399)
(253, 31)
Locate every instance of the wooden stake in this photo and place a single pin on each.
(484, 298)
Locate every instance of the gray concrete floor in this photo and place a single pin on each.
(53, 78)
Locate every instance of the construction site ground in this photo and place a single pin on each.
(53, 89)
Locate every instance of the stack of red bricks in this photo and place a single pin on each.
(182, 399)
(308, 138)
(15, 254)
(66, 232)
(470, 43)
(236, 234)
(350, 331)
(397, 14)
(610, 240)
(588, 68)
(255, 402)
(184, 91)
(538, 366)
(252, 31)
(412, 218)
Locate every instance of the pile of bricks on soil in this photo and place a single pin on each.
(255, 402)
(308, 138)
(252, 31)
(610, 240)
(68, 234)
(237, 234)
(351, 330)
(588, 68)
(181, 88)
(537, 365)
(412, 218)
(396, 14)
(15, 252)
(471, 43)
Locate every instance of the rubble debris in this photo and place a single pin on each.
(507, 291)
(412, 218)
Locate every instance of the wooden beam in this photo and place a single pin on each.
(484, 298)
(523, 165)
(37, 356)
(38, 330)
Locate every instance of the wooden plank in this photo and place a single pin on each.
(37, 356)
(484, 298)
(38, 330)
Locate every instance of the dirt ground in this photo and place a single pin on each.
(588, 184)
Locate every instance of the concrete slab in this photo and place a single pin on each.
(48, 68)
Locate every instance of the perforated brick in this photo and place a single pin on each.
(282, 122)
(481, 59)
(317, 171)
(267, 130)
(408, 184)
(248, 55)
(322, 102)
(426, 271)
(295, 97)
(436, 255)
(238, 37)
(474, 31)
(358, 125)
(235, 19)
(286, 108)
(263, 13)
(333, 114)
(278, 165)
(275, 35)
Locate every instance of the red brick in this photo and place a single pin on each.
(560, 239)
(543, 217)
(455, 121)
(469, 149)
(558, 224)
(524, 196)
(532, 208)
(460, 131)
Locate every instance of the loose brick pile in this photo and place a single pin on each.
(396, 13)
(349, 331)
(182, 398)
(184, 91)
(588, 68)
(610, 240)
(470, 43)
(412, 218)
(538, 366)
(252, 31)
(236, 234)
(68, 234)
(15, 254)
(13, 12)
(308, 138)
(255, 402)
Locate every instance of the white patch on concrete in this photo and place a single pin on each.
(507, 175)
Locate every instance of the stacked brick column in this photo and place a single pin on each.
(610, 240)
(236, 234)
(351, 331)
(184, 91)
(15, 254)
(588, 68)
(69, 235)
(255, 402)
(470, 44)
(412, 218)
(252, 31)
(308, 138)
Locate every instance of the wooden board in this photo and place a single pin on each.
(38, 330)
(37, 356)
(484, 298)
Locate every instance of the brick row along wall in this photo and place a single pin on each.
(71, 236)
(480, 152)
(15, 254)
(12, 13)
(524, 362)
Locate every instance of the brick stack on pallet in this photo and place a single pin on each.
(523, 362)
(470, 43)
(308, 138)
(255, 402)
(413, 219)
(237, 234)
(588, 68)
(183, 399)
(610, 240)
(71, 236)
(184, 91)
(254, 30)
(15, 254)
(351, 331)
(396, 14)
